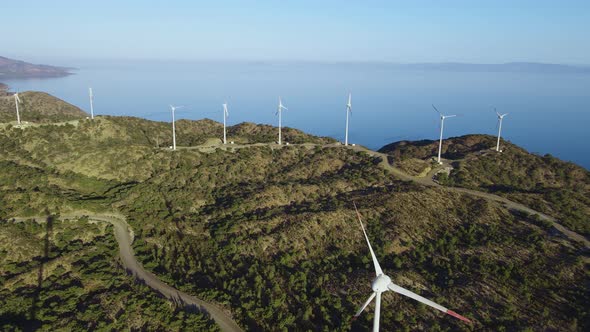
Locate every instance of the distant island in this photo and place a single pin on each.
(515, 67)
(10, 68)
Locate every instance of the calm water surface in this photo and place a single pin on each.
(549, 112)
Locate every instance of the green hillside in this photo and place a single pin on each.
(38, 107)
(544, 183)
(63, 275)
(269, 232)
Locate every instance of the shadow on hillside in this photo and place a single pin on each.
(46, 250)
(21, 321)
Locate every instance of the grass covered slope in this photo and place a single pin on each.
(290, 255)
(544, 183)
(452, 148)
(38, 107)
(64, 275)
(269, 232)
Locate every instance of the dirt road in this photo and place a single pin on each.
(124, 237)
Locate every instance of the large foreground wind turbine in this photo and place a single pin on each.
(348, 110)
(500, 118)
(225, 115)
(91, 96)
(279, 112)
(16, 102)
(174, 108)
(442, 125)
(382, 283)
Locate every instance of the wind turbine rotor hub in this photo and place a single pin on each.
(381, 283)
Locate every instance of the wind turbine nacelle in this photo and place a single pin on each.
(381, 283)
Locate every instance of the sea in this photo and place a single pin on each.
(549, 110)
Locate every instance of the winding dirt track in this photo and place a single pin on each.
(124, 234)
(124, 237)
(427, 181)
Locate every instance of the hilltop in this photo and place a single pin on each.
(10, 68)
(38, 107)
(545, 183)
(269, 233)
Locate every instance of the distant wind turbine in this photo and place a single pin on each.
(442, 125)
(225, 115)
(348, 110)
(382, 283)
(16, 102)
(174, 108)
(279, 112)
(91, 96)
(500, 118)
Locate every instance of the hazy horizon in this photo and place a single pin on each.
(63, 61)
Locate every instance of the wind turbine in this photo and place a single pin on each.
(174, 108)
(442, 124)
(225, 115)
(91, 96)
(348, 110)
(16, 102)
(500, 118)
(279, 112)
(382, 283)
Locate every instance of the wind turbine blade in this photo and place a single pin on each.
(378, 270)
(436, 109)
(450, 116)
(503, 115)
(358, 313)
(17, 98)
(403, 291)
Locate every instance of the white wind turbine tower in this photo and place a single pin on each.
(382, 283)
(174, 108)
(225, 115)
(442, 125)
(16, 102)
(91, 96)
(500, 118)
(279, 112)
(348, 110)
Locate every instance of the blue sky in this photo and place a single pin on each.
(477, 31)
